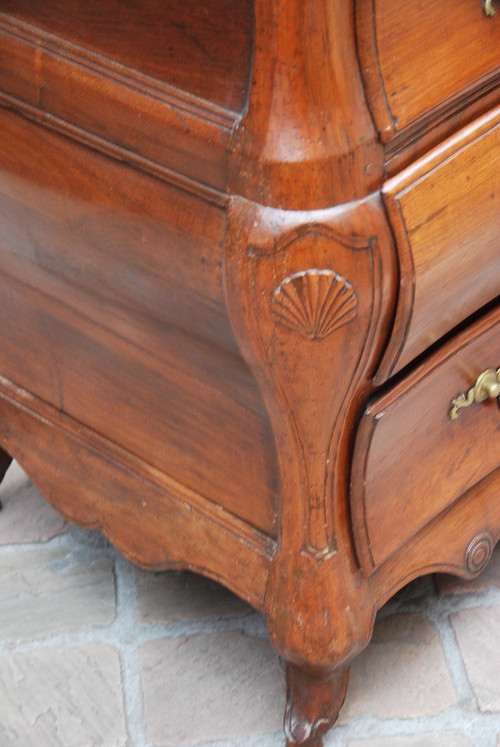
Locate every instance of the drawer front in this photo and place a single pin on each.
(421, 61)
(445, 213)
(412, 461)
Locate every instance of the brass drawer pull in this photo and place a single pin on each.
(487, 386)
(488, 8)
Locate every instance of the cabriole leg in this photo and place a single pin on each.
(305, 297)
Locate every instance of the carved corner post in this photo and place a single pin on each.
(307, 140)
(309, 291)
(307, 297)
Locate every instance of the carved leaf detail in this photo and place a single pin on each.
(314, 303)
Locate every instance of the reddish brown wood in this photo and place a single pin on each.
(150, 517)
(144, 121)
(203, 49)
(313, 704)
(310, 381)
(444, 544)
(201, 291)
(114, 266)
(445, 211)
(307, 123)
(433, 460)
(412, 61)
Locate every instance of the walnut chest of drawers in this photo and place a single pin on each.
(249, 319)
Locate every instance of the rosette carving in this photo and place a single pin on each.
(479, 552)
(314, 303)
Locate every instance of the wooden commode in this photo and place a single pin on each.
(249, 297)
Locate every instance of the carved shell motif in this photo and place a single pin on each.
(314, 303)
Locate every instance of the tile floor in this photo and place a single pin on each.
(95, 653)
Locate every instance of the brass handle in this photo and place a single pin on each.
(487, 386)
(489, 10)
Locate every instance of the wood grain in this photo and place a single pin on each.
(441, 546)
(445, 211)
(148, 516)
(201, 289)
(413, 60)
(203, 49)
(144, 121)
(432, 460)
(116, 296)
(306, 140)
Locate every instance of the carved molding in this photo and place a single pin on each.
(314, 303)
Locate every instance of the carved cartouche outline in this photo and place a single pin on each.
(319, 539)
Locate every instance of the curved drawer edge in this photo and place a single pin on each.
(407, 434)
(444, 211)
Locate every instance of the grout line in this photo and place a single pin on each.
(126, 615)
(441, 621)
(126, 636)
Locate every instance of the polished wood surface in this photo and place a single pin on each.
(203, 49)
(160, 129)
(425, 60)
(432, 459)
(445, 213)
(151, 518)
(117, 277)
(306, 140)
(228, 339)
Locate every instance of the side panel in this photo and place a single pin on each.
(112, 312)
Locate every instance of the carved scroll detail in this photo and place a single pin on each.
(314, 303)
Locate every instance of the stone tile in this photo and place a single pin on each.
(51, 591)
(402, 673)
(478, 636)
(68, 697)
(25, 516)
(489, 578)
(182, 596)
(436, 739)
(207, 687)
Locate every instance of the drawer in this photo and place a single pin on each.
(424, 61)
(411, 460)
(445, 214)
